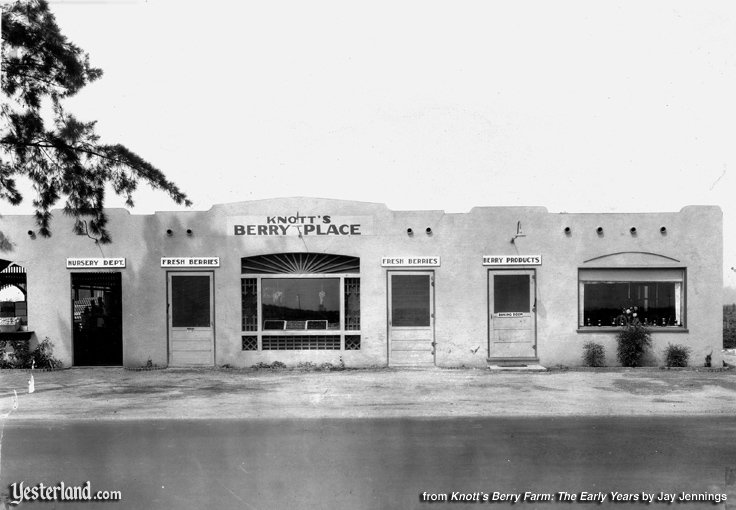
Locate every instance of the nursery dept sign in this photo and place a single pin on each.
(94, 263)
(300, 225)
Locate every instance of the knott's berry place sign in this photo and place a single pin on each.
(300, 224)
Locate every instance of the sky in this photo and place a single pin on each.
(578, 106)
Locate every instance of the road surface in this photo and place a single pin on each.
(370, 463)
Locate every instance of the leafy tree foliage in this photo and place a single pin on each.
(40, 68)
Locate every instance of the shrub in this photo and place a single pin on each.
(676, 355)
(594, 355)
(276, 365)
(41, 357)
(634, 340)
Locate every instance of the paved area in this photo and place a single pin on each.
(375, 464)
(115, 393)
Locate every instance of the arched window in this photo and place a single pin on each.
(13, 294)
(295, 301)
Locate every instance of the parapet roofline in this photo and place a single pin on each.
(481, 208)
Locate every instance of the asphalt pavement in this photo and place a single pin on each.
(375, 463)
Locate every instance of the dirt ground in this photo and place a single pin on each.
(115, 393)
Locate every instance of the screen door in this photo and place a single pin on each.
(191, 319)
(411, 318)
(512, 299)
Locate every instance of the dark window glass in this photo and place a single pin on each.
(190, 301)
(410, 300)
(352, 304)
(249, 302)
(655, 303)
(511, 293)
(300, 303)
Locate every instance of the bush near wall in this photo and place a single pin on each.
(729, 326)
(594, 355)
(20, 356)
(634, 341)
(676, 355)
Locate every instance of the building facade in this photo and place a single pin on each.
(313, 280)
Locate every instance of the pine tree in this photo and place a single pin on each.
(40, 68)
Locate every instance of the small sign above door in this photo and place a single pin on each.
(190, 261)
(94, 263)
(512, 260)
(426, 261)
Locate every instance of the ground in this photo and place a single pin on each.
(115, 393)
(365, 439)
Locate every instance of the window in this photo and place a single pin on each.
(190, 301)
(13, 290)
(655, 295)
(511, 293)
(410, 300)
(300, 301)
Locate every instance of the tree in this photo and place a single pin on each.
(40, 68)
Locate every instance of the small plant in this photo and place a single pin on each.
(676, 355)
(276, 365)
(21, 357)
(634, 339)
(594, 355)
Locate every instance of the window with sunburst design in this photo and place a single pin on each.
(310, 298)
(300, 263)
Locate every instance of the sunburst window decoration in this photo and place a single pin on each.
(300, 263)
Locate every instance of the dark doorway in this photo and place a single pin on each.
(97, 319)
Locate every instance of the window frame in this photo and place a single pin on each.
(13, 268)
(644, 270)
(259, 332)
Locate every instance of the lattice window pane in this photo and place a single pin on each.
(297, 343)
(250, 343)
(352, 342)
(249, 298)
(352, 304)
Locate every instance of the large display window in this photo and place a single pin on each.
(656, 296)
(300, 301)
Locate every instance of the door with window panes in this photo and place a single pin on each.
(512, 314)
(411, 318)
(191, 319)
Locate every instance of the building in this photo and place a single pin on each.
(312, 280)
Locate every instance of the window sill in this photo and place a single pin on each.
(609, 329)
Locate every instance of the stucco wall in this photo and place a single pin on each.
(693, 239)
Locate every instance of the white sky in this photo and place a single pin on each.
(579, 106)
